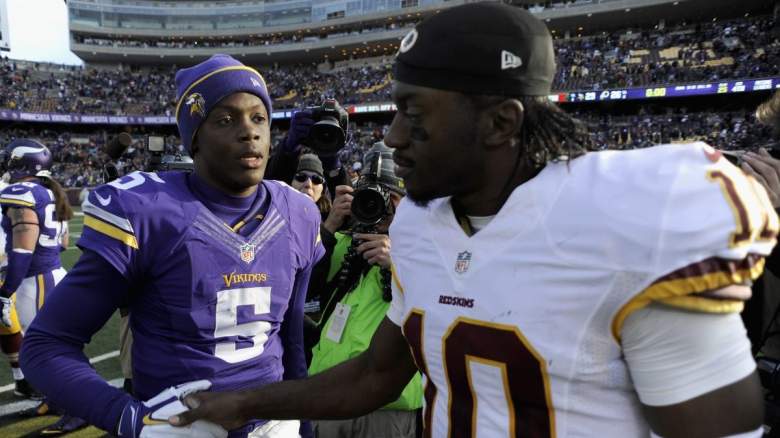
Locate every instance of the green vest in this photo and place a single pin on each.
(367, 309)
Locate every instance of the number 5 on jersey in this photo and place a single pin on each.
(237, 313)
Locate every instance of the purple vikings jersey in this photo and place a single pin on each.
(46, 256)
(206, 301)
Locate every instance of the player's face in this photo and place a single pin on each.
(232, 145)
(434, 136)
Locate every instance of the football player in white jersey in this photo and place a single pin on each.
(544, 291)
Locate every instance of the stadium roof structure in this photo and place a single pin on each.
(184, 32)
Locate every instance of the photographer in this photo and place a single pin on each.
(356, 295)
(323, 129)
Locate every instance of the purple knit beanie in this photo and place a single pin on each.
(200, 87)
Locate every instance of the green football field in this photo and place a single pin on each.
(103, 351)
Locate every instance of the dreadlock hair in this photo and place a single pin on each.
(768, 113)
(548, 133)
(62, 205)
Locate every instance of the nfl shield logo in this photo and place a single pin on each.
(248, 252)
(462, 264)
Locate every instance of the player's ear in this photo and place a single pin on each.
(504, 119)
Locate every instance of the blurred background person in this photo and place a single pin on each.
(310, 181)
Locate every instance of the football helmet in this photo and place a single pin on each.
(25, 157)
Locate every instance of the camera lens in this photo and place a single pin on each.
(368, 205)
(326, 136)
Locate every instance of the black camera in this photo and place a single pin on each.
(159, 161)
(371, 199)
(329, 132)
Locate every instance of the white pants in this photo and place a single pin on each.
(32, 294)
(277, 429)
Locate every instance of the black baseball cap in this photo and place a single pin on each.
(479, 48)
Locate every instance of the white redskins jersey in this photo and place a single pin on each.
(517, 328)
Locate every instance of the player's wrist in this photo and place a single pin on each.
(129, 424)
(245, 403)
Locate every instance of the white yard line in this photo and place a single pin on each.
(103, 357)
(94, 360)
(19, 406)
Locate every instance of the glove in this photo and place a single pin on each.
(300, 124)
(5, 311)
(150, 418)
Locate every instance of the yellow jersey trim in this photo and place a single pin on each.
(704, 304)
(237, 226)
(41, 290)
(395, 278)
(680, 287)
(16, 202)
(111, 231)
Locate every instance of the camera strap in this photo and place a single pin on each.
(338, 295)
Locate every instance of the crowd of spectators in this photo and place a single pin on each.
(745, 48)
(702, 52)
(79, 158)
(151, 91)
(734, 130)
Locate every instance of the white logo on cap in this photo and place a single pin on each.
(510, 60)
(255, 83)
(408, 41)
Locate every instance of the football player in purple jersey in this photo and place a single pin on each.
(35, 211)
(212, 264)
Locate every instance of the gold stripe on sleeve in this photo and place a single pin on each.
(111, 231)
(672, 290)
(16, 202)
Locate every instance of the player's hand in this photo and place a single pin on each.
(766, 170)
(5, 311)
(150, 418)
(222, 408)
(341, 209)
(375, 248)
(300, 124)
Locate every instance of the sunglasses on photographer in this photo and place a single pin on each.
(315, 179)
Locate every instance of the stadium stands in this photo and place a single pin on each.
(640, 55)
(79, 157)
(746, 48)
